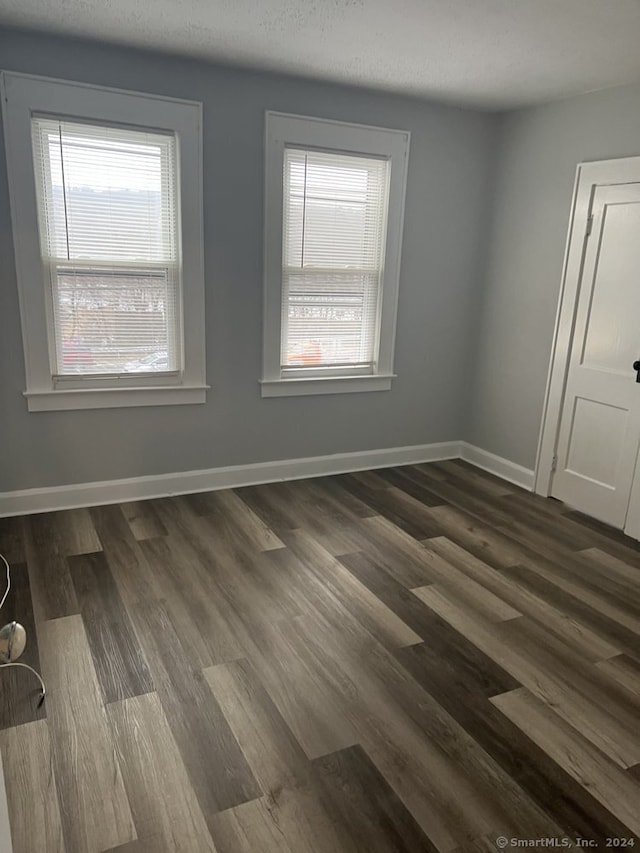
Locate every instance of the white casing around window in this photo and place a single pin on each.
(374, 163)
(23, 98)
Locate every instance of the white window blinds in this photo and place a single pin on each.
(108, 214)
(335, 218)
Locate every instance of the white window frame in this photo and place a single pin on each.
(24, 95)
(284, 130)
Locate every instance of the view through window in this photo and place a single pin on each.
(107, 204)
(335, 208)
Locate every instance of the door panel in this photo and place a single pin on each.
(596, 440)
(600, 423)
(611, 337)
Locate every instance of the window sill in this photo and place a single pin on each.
(325, 385)
(111, 398)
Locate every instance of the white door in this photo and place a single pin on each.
(599, 431)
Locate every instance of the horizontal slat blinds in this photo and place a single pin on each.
(334, 226)
(108, 213)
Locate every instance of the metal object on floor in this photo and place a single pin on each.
(13, 639)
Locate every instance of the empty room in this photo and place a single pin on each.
(319, 426)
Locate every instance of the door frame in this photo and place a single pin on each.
(623, 170)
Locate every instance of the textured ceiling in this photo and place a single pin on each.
(488, 53)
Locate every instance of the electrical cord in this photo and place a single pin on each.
(6, 592)
(15, 663)
(43, 691)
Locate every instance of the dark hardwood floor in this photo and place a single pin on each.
(413, 659)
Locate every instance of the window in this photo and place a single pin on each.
(104, 185)
(334, 206)
(107, 206)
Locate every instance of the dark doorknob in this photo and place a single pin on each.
(636, 367)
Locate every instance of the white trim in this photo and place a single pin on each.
(106, 398)
(632, 520)
(548, 437)
(50, 498)
(27, 501)
(282, 129)
(163, 98)
(297, 386)
(588, 175)
(503, 468)
(21, 96)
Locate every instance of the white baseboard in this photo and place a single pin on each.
(29, 501)
(503, 468)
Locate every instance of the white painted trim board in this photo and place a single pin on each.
(186, 482)
(497, 465)
(27, 501)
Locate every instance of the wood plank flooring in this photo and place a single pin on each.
(422, 658)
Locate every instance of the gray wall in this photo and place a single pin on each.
(448, 191)
(536, 161)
